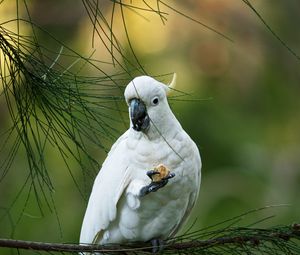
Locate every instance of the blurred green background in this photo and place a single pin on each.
(246, 122)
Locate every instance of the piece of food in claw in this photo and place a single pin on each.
(163, 172)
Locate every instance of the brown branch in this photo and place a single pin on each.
(63, 247)
(237, 236)
(58, 247)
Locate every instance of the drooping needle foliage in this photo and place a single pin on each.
(55, 105)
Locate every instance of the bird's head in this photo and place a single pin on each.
(147, 101)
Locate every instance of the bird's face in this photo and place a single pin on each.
(147, 102)
(138, 114)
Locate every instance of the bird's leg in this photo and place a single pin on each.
(155, 185)
(157, 245)
(151, 173)
(152, 187)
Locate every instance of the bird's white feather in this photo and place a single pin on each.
(116, 212)
(102, 204)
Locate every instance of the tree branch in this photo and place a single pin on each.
(281, 239)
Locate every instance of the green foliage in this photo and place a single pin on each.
(61, 111)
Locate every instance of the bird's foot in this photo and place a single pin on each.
(160, 177)
(157, 245)
(152, 187)
(153, 173)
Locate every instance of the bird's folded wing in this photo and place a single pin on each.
(109, 185)
(194, 195)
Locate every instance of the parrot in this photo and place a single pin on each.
(150, 179)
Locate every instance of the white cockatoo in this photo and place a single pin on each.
(150, 180)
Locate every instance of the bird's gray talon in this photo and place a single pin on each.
(151, 173)
(144, 191)
(169, 176)
(157, 245)
(152, 187)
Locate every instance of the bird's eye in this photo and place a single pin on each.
(155, 101)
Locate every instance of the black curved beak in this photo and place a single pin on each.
(138, 115)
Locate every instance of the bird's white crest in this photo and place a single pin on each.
(172, 84)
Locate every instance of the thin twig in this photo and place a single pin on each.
(242, 237)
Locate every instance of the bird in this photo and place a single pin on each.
(150, 179)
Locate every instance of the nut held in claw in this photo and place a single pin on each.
(162, 173)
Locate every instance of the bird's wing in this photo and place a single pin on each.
(194, 195)
(109, 185)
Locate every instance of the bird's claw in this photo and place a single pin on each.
(156, 183)
(151, 173)
(152, 187)
(169, 176)
(157, 245)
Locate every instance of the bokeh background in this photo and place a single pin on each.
(243, 110)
